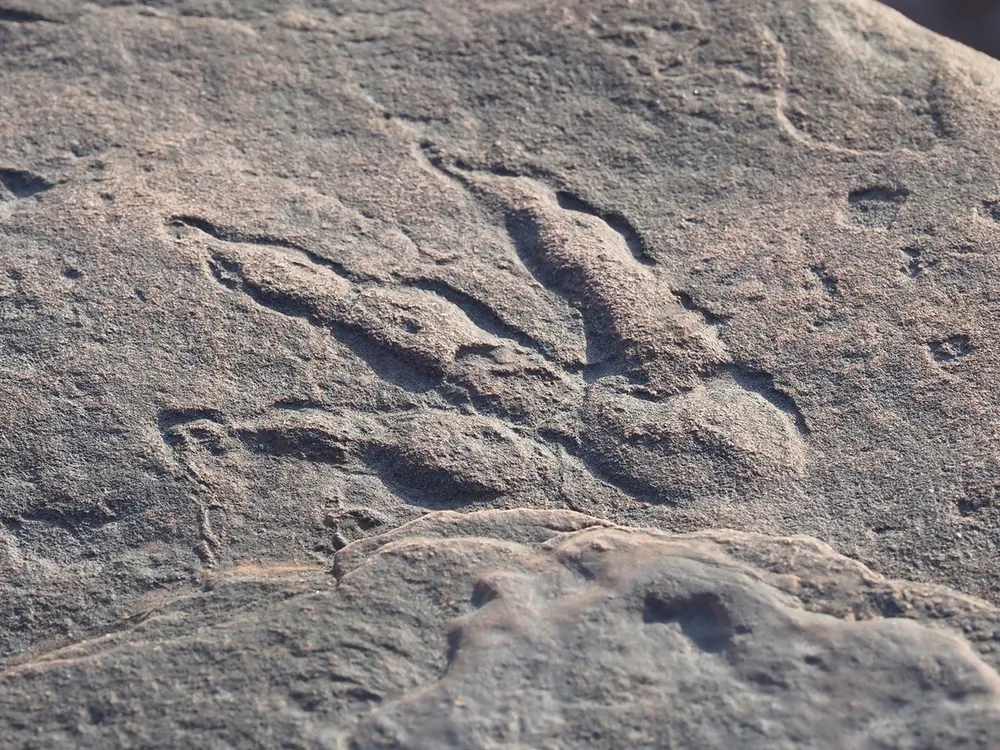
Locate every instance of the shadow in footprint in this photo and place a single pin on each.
(876, 207)
(701, 617)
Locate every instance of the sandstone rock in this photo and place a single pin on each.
(276, 278)
(449, 632)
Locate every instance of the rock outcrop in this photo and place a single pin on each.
(530, 629)
(278, 279)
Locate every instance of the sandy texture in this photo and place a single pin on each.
(277, 277)
(450, 632)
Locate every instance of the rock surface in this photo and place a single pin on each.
(542, 629)
(277, 277)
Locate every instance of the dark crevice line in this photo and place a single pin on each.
(432, 154)
(429, 492)
(475, 350)
(481, 314)
(615, 220)
(601, 345)
(386, 364)
(686, 301)
(227, 234)
(308, 444)
(478, 312)
(567, 201)
(763, 385)
(10, 15)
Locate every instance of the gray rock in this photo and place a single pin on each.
(275, 279)
(530, 628)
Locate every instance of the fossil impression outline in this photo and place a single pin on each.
(660, 411)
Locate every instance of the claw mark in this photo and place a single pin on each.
(763, 385)
(328, 301)
(633, 240)
(226, 234)
(481, 314)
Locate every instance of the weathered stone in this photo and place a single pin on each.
(449, 632)
(275, 279)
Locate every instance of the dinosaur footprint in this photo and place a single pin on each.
(660, 411)
(667, 413)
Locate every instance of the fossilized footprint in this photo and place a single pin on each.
(659, 411)
(665, 406)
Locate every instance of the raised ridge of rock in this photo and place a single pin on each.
(448, 632)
